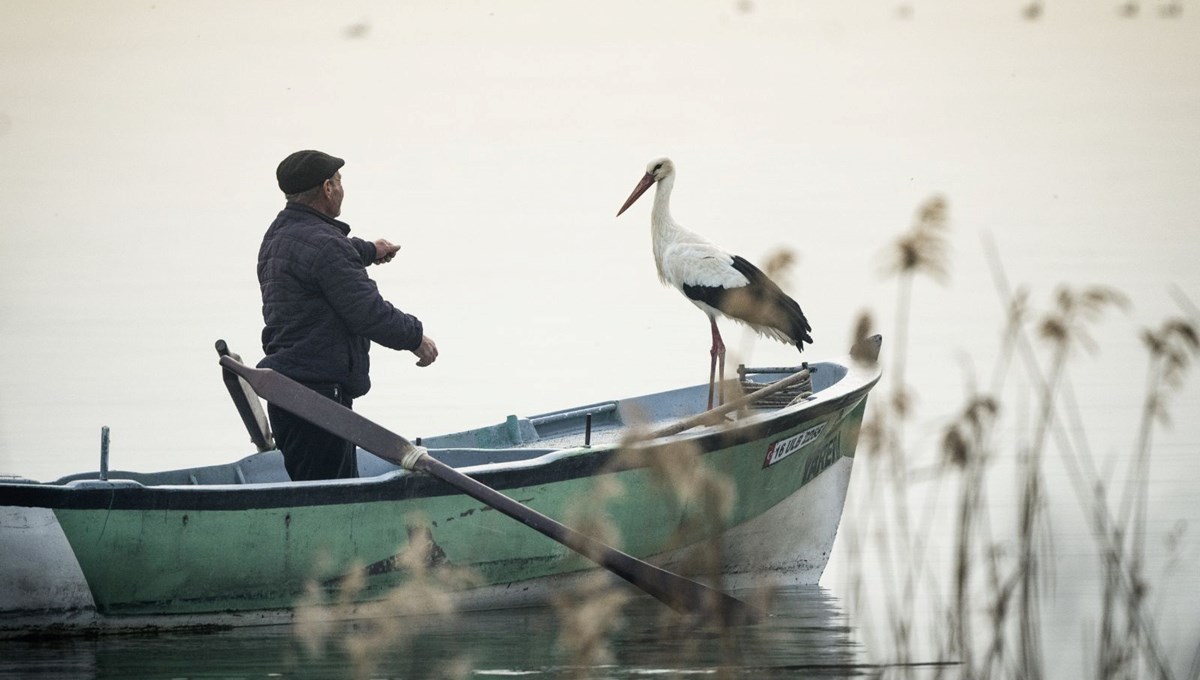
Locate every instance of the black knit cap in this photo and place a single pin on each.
(304, 170)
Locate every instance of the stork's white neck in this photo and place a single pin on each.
(664, 231)
(661, 213)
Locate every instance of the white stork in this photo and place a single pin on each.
(718, 283)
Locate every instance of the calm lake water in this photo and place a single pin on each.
(806, 635)
(495, 142)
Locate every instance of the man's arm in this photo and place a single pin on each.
(379, 251)
(343, 281)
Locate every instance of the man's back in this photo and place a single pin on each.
(320, 309)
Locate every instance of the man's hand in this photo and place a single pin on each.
(385, 250)
(427, 352)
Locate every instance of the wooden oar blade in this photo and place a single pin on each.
(681, 594)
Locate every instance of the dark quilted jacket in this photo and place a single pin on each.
(320, 309)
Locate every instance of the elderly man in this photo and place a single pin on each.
(321, 311)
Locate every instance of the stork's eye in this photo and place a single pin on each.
(658, 167)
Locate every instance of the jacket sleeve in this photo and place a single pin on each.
(366, 249)
(342, 278)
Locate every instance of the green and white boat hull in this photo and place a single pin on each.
(238, 544)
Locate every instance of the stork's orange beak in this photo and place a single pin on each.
(642, 186)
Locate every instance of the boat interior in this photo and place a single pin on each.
(516, 438)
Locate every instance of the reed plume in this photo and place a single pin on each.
(920, 251)
(590, 615)
(1012, 573)
(426, 594)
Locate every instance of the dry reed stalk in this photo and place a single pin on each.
(1128, 640)
(385, 623)
(590, 615)
(1121, 599)
(702, 497)
(966, 446)
(922, 250)
(1064, 329)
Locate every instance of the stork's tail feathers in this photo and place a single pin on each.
(765, 307)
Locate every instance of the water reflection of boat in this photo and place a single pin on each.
(806, 634)
(238, 544)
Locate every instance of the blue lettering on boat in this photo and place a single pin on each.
(826, 457)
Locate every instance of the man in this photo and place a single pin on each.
(321, 311)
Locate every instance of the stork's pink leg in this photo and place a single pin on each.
(718, 355)
(712, 376)
(721, 372)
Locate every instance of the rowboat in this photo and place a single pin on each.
(748, 494)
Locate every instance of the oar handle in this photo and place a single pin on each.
(246, 402)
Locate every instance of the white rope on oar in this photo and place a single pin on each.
(409, 461)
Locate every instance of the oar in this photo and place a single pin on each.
(714, 415)
(682, 594)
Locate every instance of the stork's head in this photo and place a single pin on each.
(656, 171)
